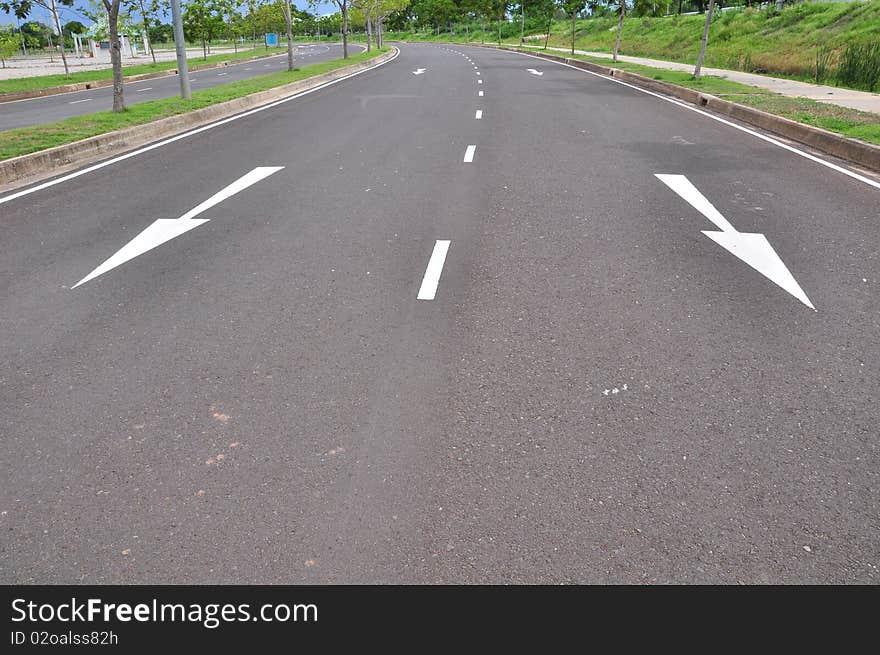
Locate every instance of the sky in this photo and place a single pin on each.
(74, 13)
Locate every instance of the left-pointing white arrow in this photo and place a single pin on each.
(165, 229)
(753, 249)
(419, 71)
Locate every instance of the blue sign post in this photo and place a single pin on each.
(271, 39)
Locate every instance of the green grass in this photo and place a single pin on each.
(848, 122)
(783, 44)
(48, 81)
(31, 139)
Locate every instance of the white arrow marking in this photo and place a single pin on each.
(165, 229)
(534, 72)
(753, 249)
(419, 71)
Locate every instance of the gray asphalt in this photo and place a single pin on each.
(39, 111)
(264, 400)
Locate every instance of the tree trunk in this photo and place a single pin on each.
(705, 39)
(147, 32)
(620, 27)
(60, 37)
(369, 32)
(499, 30)
(112, 7)
(289, 35)
(344, 29)
(483, 31)
(522, 22)
(572, 34)
(204, 49)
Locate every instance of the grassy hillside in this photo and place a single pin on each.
(782, 43)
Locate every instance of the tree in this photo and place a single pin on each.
(202, 20)
(705, 40)
(130, 5)
(619, 28)
(73, 27)
(112, 7)
(160, 32)
(343, 8)
(572, 9)
(23, 8)
(9, 44)
(384, 9)
(287, 19)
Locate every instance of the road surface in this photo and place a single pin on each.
(39, 111)
(394, 342)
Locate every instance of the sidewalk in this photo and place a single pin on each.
(831, 95)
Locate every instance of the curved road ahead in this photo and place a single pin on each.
(429, 334)
(39, 111)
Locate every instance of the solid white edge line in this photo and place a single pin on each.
(431, 279)
(469, 154)
(178, 137)
(763, 137)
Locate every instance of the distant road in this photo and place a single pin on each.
(39, 111)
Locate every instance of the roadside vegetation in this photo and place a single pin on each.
(31, 139)
(825, 42)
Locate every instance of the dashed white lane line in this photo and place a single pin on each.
(480, 93)
(469, 154)
(478, 72)
(247, 69)
(479, 81)
(221, 74)
(435, 268)
(77, 101)
(479, 114)
(149, 88)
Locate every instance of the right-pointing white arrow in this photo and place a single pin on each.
(753, 249)
(419, 71)
(534, 72)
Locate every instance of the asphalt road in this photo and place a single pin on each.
(596, 392)
(39, 111)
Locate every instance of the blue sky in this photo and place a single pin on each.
(73, 13)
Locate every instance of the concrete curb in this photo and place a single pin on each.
(97, 84)
(853, 150)
(36, 166)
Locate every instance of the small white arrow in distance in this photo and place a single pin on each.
(419, 71)
(534, 72)
(165, 229)
(753, 249)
